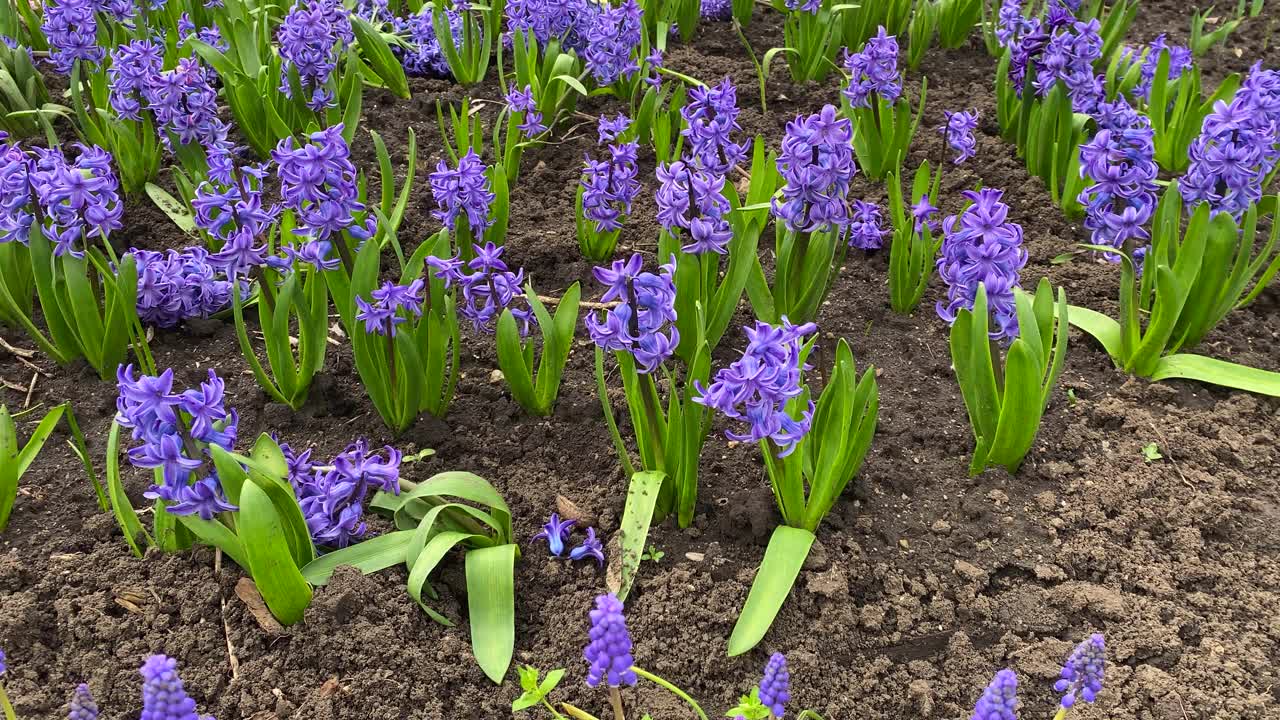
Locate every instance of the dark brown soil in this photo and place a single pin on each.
(924, 583)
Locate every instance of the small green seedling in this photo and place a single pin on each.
(1151, 452)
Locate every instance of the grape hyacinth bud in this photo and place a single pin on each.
(612, 42)
(609, 652)
(82, 706)
(692, 201)
(874, 70)
(866, 226)
(521, 101)
(982, 246)
(1238, 147)
(590, 548)
(556, 533)
(71, 26)
(775, 687)
(163, 697)
(644, 321)
(757, 388)
(610, 186)
(80, 201)
(332, 498)
(311, 38)
(1000, 700)
(463, 190)
(488, 288)
(711, 118)
(817, 166)
(424, 56)
(134, 67)
(959, 129)
(1083, 673)
(177, 285)
(1119, 161)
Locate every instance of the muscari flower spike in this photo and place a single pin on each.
(609, 651)
(999, 700)
(1082, 675)
(816, 163)
(332, 497)
(591, 547)
(82, 705)
(556, 533)
(982, 246)
(644, 321)
(163, 697)
(775, 687)
(874, 71)
(959, 129)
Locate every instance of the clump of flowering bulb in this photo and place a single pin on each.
(80, 201)
(874, 71)
(866, 226)
(757, 388)
(463, 192)
(999, 700)
(135, 66)
(174, 432)
(1119, 161)
(71, 26)
(817, 167)
(82, 705)
(178, 285)
(1238, 147)
(606, 190)
(318, 184)
(959, 129)
(692, 206)
(487, 286)
(1083, 672)
(609, 651)
(332, 496)
(422, 55)
(311, 39)
(982, 245)
(642, 324)
(568, 21)
(163, 696)
(711, 119)
(612, 43)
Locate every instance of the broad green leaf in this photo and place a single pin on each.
(642, 497)
(271, 564)
(1103, 329)
(134, 534)
(788, 548)
(368, 556)
(492, 606)
(172, 207)
(1217, 372)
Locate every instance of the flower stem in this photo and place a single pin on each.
(671, 689)
(1062, 713)
(615, 699)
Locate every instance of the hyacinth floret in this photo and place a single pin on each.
(463, 191)
(1119, 161)
(711, 119)
(424, 56)
(817, 166)
(176, 285)
(959, 129)
(874, 71)
(556, 533)
(999, 700)
(609, 186)
(866, 226)
(643, 323)
(82, 705)
(1082, 675)
(982, 245)
(757, 388)
(390, 306)
(80, 201)
(71, 27)
(488, 287)
(691, 203)
(591, 547)
(612, 44)
(775, 686)
(609, 651)
(311, 39)
(332, 497)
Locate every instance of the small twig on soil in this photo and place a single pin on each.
(12, 385)
(1169, 454)
(20, 352)
(584, 303)
(222, 603)
(30, 389)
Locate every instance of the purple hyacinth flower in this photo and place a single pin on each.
(711, 119)
(866, 226)
(3, 667)
(311, 39)
(521, 101)
(556, 533)
(612, 43)
(610, 130)
(775, 687)
(610, 186)
(204, 498)
(921, 212)
(982, 246)
(71, 26)
(463, 191)
(609, 651)
(716, 9)
(692, 201)
(332, 498)
(1000, 700)
(644, 322)
(959, 131)
(817, 167)
(163, 697)
(178, 285)
(1082, 675)
(1120, 162)
(874, 71)
(590, 548)
(82, 705)
(389, 306)
(424, 55)
(488, 287)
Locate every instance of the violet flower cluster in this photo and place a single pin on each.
(1120, 162)
(1083, 673)
(71, 27)
(874, 70)
(568, 21)
(463, 191)
(775, 686)
(174, 432)
(79, 201)
(711, 118)
(691, 201)
(817, 166)
(1238, 147)
(1180, 60)
(716, 9)
(999, 700)
(866, 226)
(16, 211)
(177, 285)
(82, 705)
(522, 102)
(184, 102)
(1011, 24)
(488, 287)
(612, 43)
(557, 532)
(318, 183)
(1063, 54)
(332, 496)
(312, 38)
(644, 321)
(609, 651)
(757, 388)
(424, 56)
(609, 186)
(959, 129)
(135, 66)
(390, 306)
(982, 246)
(234, 214)
(209, 35)
(163, 696)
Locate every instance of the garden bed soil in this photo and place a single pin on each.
(923, 583)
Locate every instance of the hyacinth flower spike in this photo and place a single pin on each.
(876, 104)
